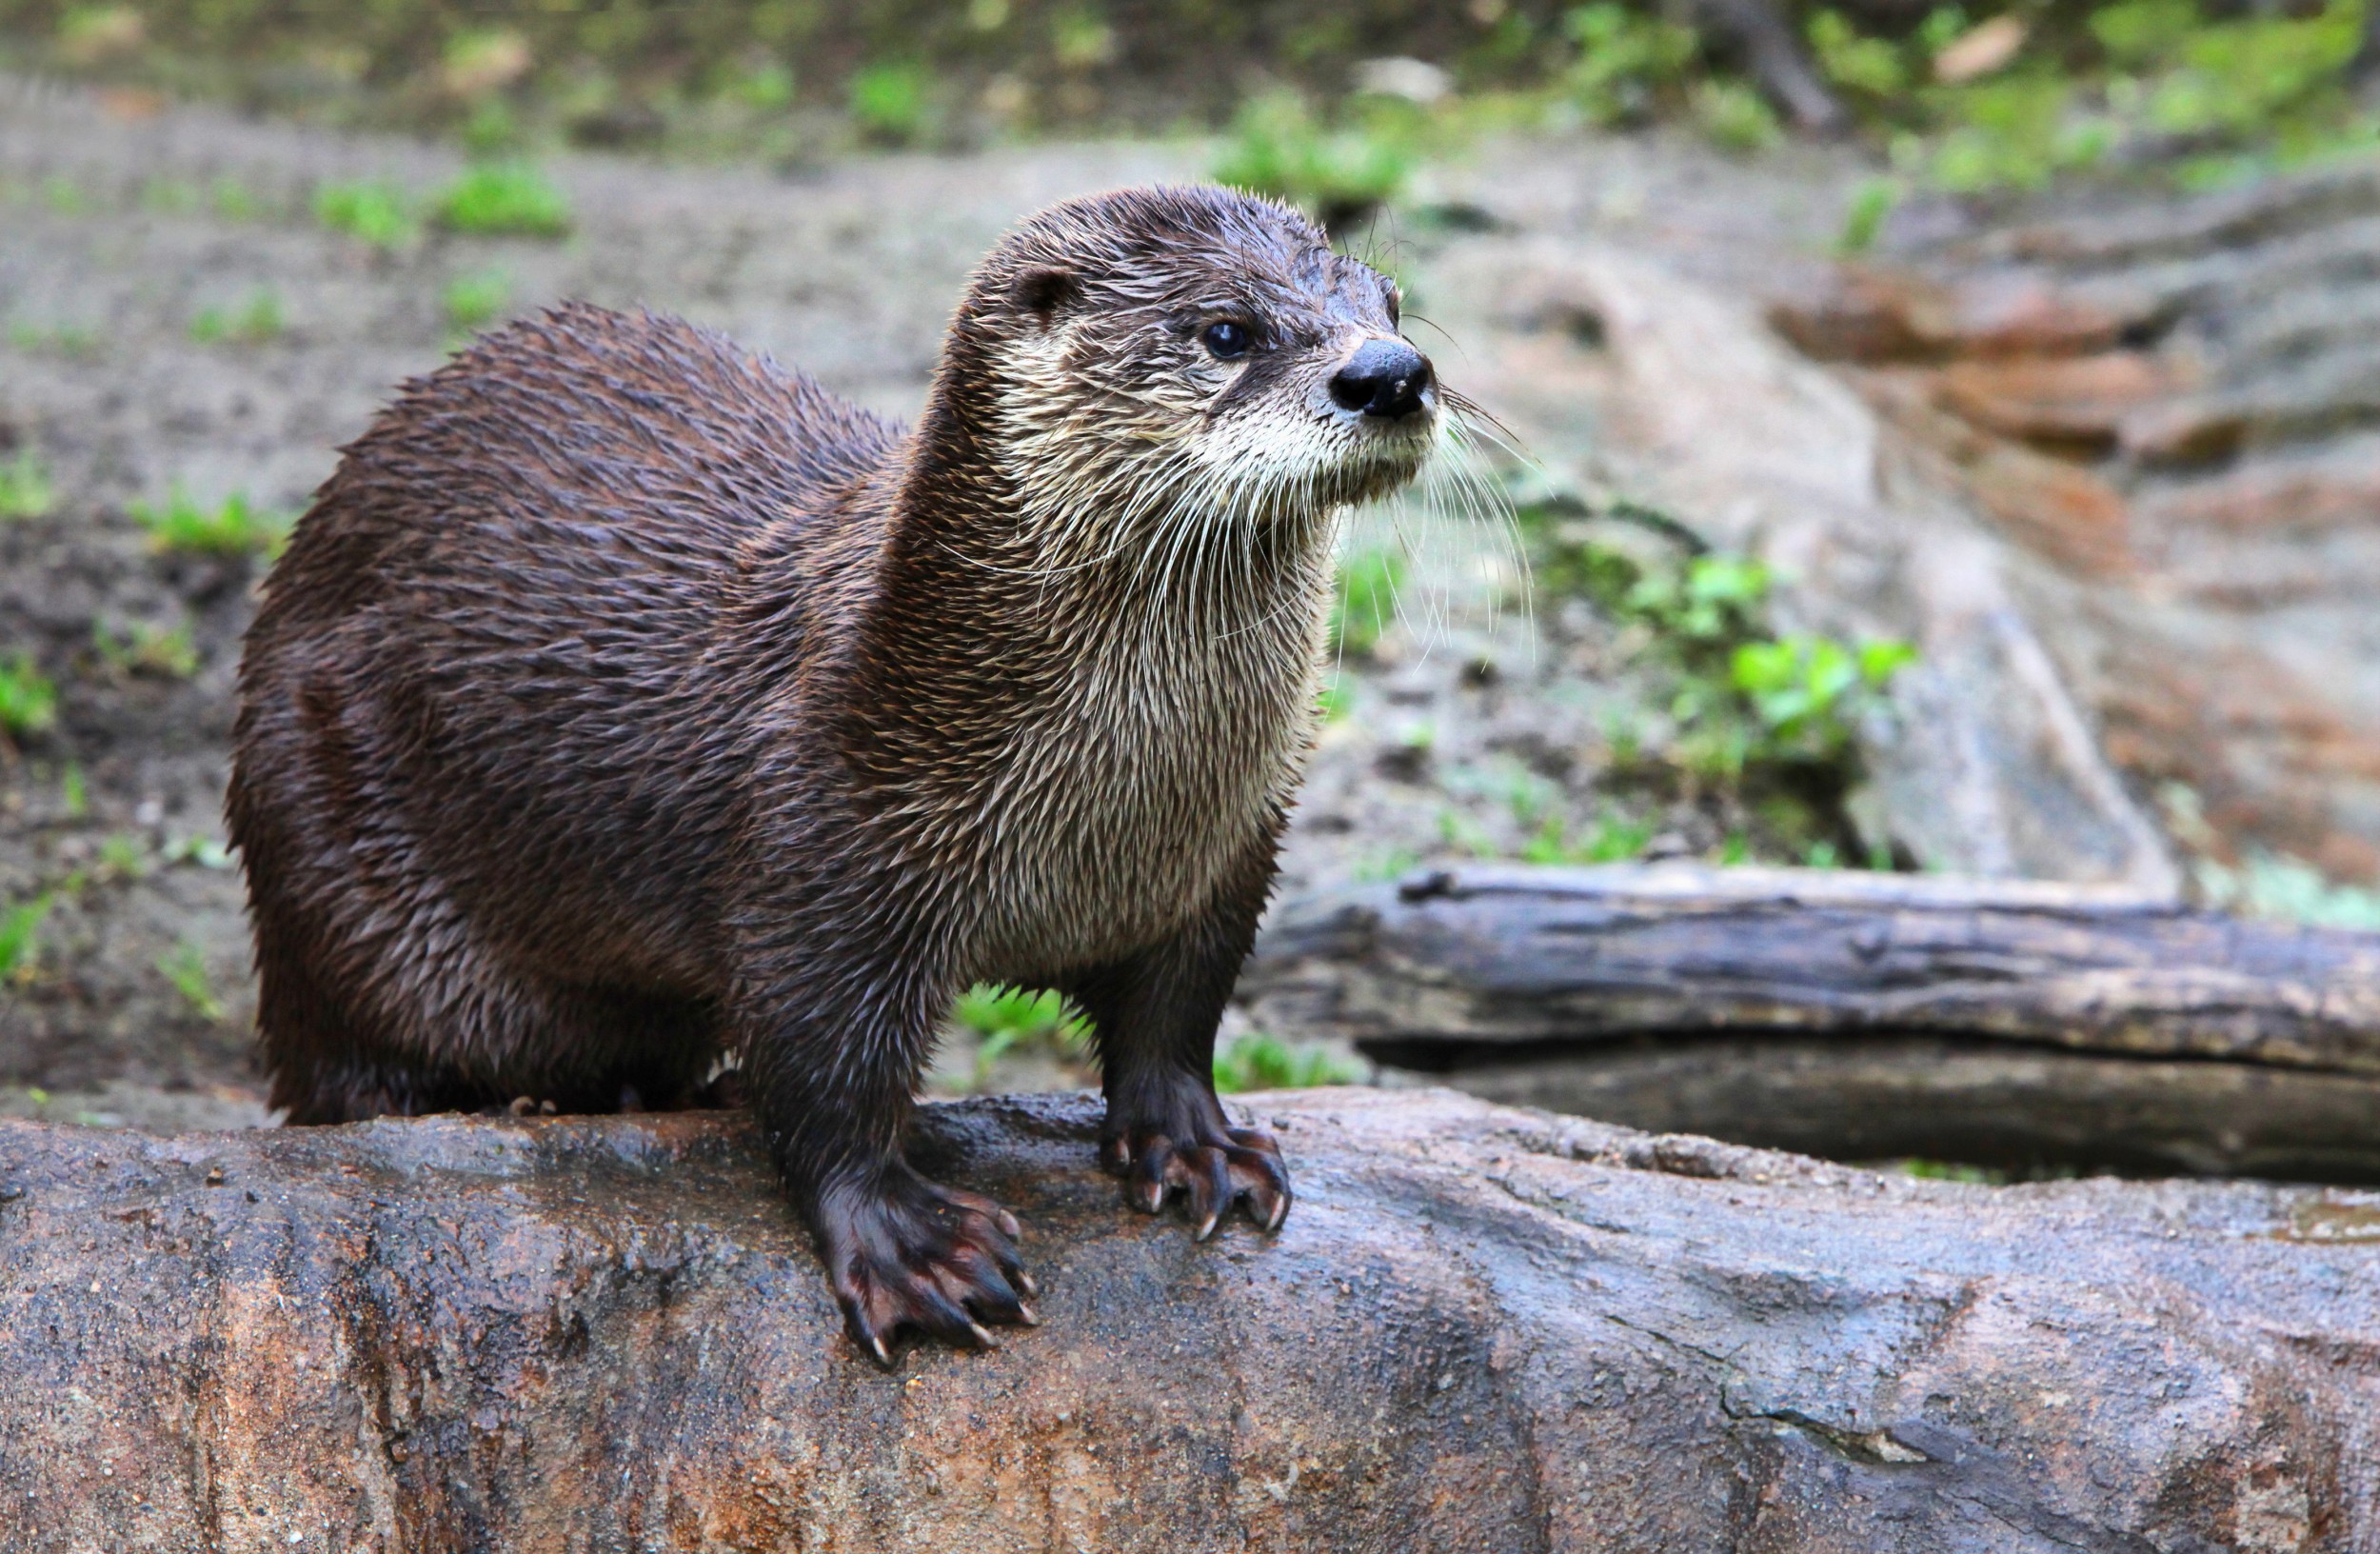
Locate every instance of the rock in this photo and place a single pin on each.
(1482, 1330)
(1688, 402)
(2063, 401)
(2165, 403)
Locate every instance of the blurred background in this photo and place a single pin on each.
(1930, 438)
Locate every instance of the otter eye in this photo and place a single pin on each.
(1225, 339)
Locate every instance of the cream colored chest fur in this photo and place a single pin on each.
(1125, 806)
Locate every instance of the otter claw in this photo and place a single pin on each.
(906, 1261)
(1240, 1168)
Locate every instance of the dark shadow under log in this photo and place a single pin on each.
(1482, 1330)
(1858, 1016)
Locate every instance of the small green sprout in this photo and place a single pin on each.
(185, 967)
(1614, 840)
(1864, 217)
(475, 299)
(73, 341)
(232, 201)
(253, 323)
(504, 199)
(234, 526)
(24, 486)
(20, 942)
(123, 856)
(374, 213)
(1259, 1061)
(1006, 1018)
(147, 648)
(28, 700)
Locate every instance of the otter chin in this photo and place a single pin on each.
(625, 704)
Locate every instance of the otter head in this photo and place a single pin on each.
(1131, 358)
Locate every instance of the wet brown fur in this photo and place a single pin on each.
(623, 701)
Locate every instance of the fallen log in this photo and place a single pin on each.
(1482, 1330)
(1857, 1015)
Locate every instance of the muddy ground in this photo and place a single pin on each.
(125, 227)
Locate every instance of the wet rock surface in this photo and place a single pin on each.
(1482, 1330)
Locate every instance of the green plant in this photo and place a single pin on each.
(492, 130)
(233, 527)
(63, 196)
(2014, 131)
(378, 214)
(24, 486)
(504, 199)
(29, 699)
(888, 101)
(123, 856)
(1278, 147)
(1614, 840)
(185, 967)
(1626, 60)
(253, 323)
(1005, 1018)
(74, 792)
(69, 340)
(1368, 584)
(232, 201)
(473, 300)
(1872, 67)
(1805, 691)
(1767, 720)
(169, 196)
(147, 648)
(1864, 215)
(1735, 117)
(20, 937)
(765, 88)
(1258, 1062)
(1383, 863)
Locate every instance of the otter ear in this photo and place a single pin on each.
(1043, 290)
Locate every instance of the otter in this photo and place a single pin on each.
(623, 703)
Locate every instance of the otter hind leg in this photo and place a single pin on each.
(353, 1023)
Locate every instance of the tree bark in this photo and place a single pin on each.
(1480, 1329)
(1857, 1015)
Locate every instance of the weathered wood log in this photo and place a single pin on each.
(1482, 1330)
(1857, 1015)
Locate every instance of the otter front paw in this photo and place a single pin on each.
(914, 1254)
(1213, 1166)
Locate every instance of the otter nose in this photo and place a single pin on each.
(1384, 378)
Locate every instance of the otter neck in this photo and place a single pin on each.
(987, 615)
